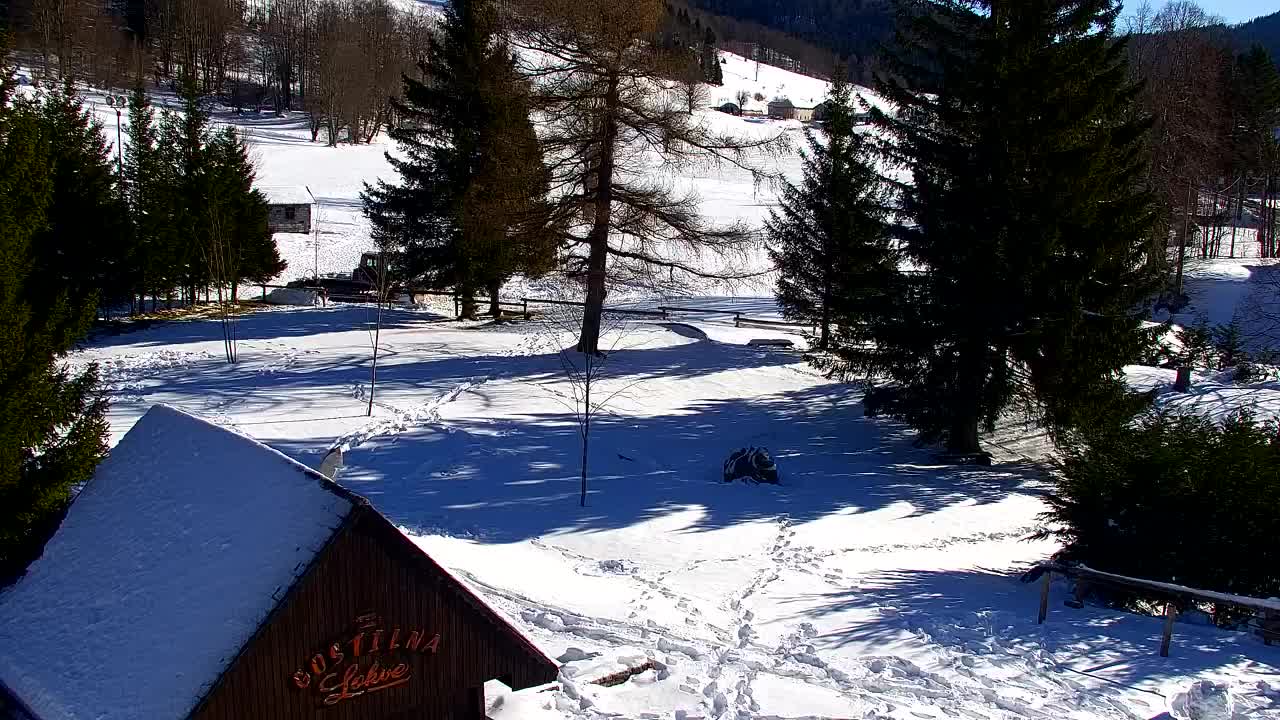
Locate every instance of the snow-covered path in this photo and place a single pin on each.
(871, 583)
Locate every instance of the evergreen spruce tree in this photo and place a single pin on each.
(52, 425)
(85, 246)
(241, 246)
(711, 71)
(1254, 101)
(182, 140)
(828, 238)
(1026, 218)
(465, 213)
(142, 184)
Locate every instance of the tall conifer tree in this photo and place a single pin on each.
(85, 246)
(465, 213)
(828, 237)
(182, 139)
(1018, 127)
(241, 246)
(142, 178)
(52, 425)
(710, 60)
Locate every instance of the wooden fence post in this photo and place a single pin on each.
(1167, 636)
(526, 307)
(736, 318)
(1044, 598)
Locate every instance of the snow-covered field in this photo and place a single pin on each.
(285, 157)
(872, 582)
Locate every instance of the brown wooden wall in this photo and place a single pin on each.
(371, 567)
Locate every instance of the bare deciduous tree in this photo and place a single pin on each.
(1181, 63)
(381, 286)
(607, 108)
(591, 385)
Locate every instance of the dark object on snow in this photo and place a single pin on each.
(1182, 382)
(751, 463)
(978, 458)
(770, 342)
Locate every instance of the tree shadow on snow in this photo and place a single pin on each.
(508, 480)
(414, 371)
(992, 615)
(271, 325)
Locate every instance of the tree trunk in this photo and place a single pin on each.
(966, 413)
(495, 309)
(1182, 243)
(592, 314)
(586, 428)
(468, 306)
(1239, 211)
(824, 337)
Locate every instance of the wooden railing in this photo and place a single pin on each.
(523, 304)
(1266, 612)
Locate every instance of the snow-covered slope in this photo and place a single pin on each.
(285, 156)
(741, 74)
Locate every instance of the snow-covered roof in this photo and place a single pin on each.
(784, 102)
(287, 194)
(167, 562)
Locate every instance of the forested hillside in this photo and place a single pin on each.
(848, 27)
(812, 32)
(1264, 31)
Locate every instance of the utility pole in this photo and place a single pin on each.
(119, 146)
(315, 234)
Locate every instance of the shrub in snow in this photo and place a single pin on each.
(1197, 346)
(1228, 343)
(1204, 700)
(751, 463)
(1249, 372)
(1175, 498)
(1211, 347)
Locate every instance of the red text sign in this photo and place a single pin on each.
(370, 659)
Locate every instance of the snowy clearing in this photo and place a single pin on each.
(872, 583)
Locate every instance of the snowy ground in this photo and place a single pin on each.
(872, 583)
(285, 156)
(1244, 288)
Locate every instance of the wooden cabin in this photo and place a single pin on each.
(782, 108)
(201, 574)
(288, 208)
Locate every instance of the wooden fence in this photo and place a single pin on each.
(663, 312)
(1266, 612)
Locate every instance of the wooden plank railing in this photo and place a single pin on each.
(1172, 595)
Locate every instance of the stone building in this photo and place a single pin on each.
(289, 208)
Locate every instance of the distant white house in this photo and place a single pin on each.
(289, 208)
